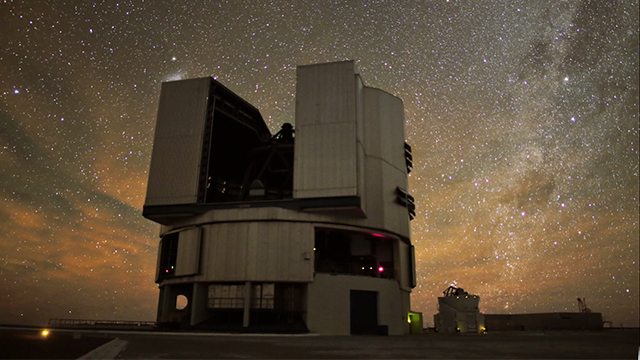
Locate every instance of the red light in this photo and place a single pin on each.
(380, 269)
(378, 235)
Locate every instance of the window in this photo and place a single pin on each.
(262, 296)
(290, 296)
(168, 256)
(231, 296)
(226, 296)
(354, 253)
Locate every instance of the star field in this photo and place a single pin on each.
(523, 118)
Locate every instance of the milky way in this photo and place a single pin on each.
(523, 118)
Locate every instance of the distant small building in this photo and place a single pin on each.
(458, 311)
(544, 321)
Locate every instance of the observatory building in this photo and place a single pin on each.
(458, 311)
(303, 230)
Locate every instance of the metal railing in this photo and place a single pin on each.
(93, 322)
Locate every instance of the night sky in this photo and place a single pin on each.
(522, 115)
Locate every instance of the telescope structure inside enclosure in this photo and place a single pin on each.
(303, 230)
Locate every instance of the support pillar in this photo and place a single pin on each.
(161, 307)
(199, 303)
(247, 304)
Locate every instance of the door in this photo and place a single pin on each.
(364, 312)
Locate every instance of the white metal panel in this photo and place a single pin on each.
(383, 212)
(361, 174)
(175, 160)
(384, 127)
(220, 243)
(174, 179)
(182, 107)
(294, 257)
(403, 266)
(252, 251)
(262, 256)
(360, 136)
(188, 260)
(325, 162)
(373, 192)
(392, 130)
(299, 265)
(396, 216)
(270, 251)
(206, 251)
(230, 257)
(386, 169)
(360, 107)
(239, 242)
(284, 250)
(325, 158)
(372, 136)
(325, 93)
(271, 271)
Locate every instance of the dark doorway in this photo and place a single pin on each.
(364, 312)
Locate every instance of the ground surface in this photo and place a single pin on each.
(610, 344)
(30, 344)
(582, 345)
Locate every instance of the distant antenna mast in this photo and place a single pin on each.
(582, 306)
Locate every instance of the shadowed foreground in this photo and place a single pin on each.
(609, 344)
(30, 344)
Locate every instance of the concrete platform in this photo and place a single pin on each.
(607, 344)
